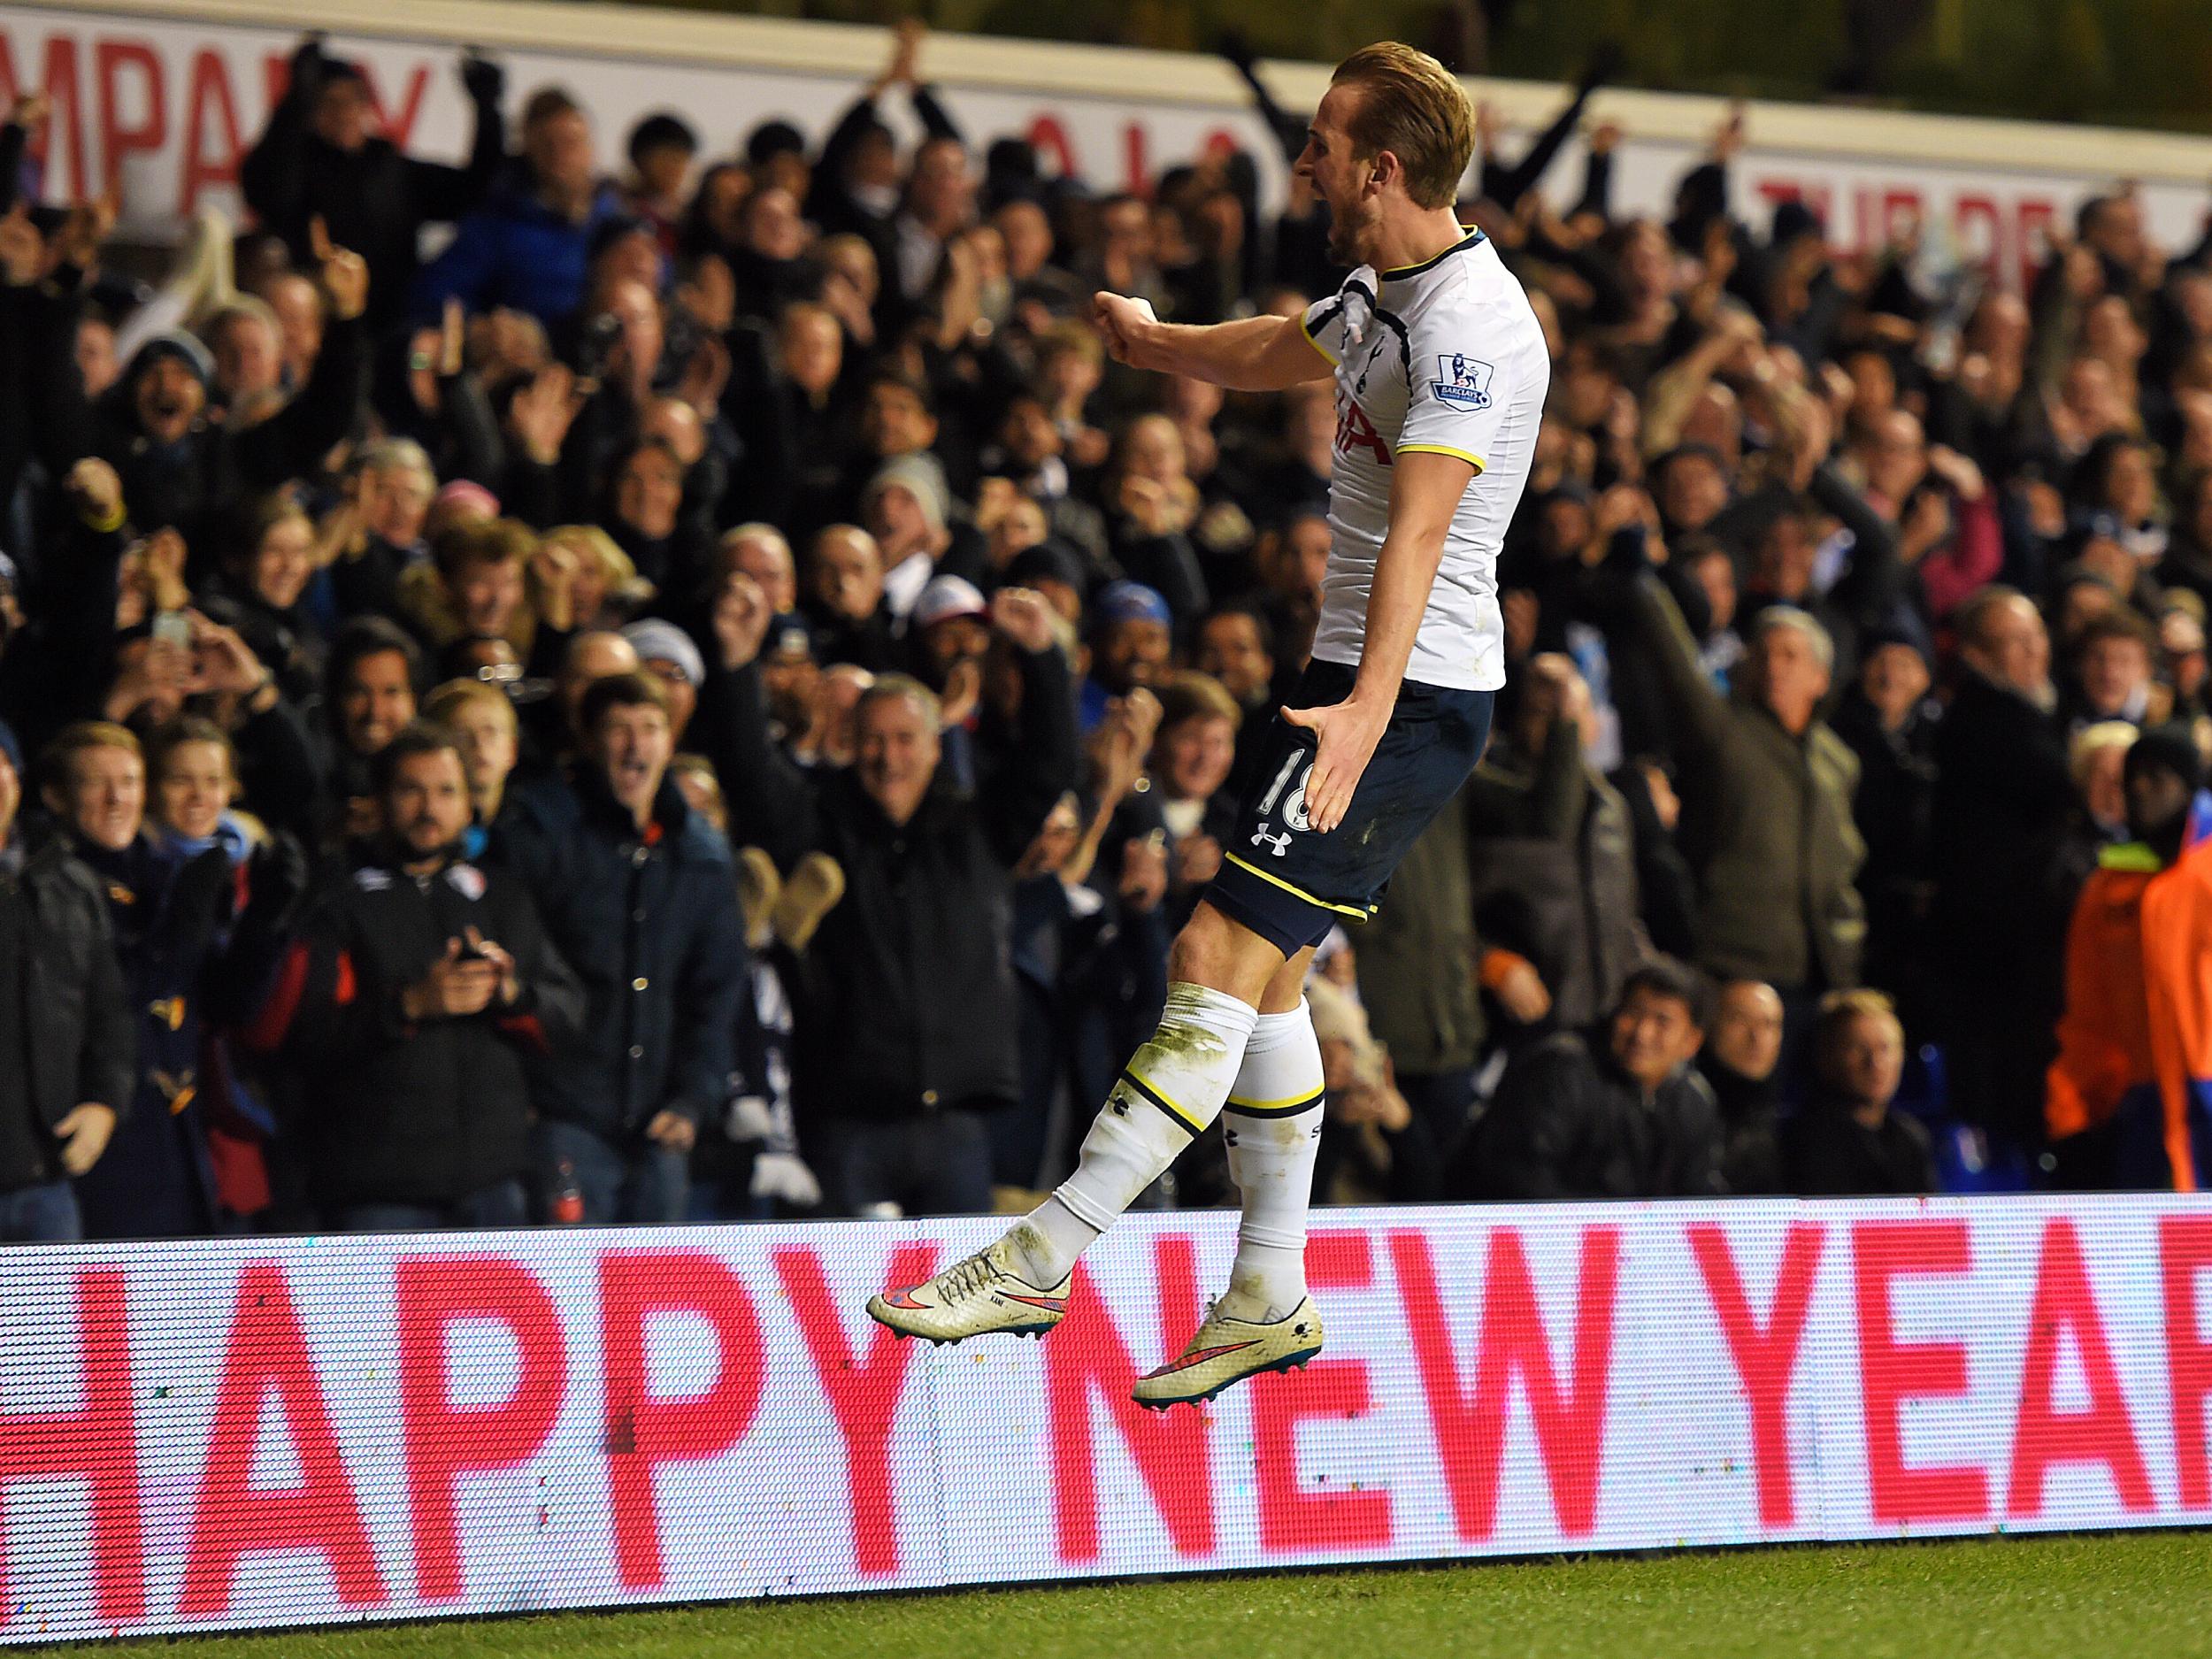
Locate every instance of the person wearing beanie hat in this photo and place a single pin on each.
(658, 640)
(461, 501)
(2164, 773)
(173, 345)
(180, 468)
(2125, 1104)
(1131, 639)
(667, 653)
(904, 508)
(1129, 602)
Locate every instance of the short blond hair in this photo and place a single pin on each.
(59, 757)
(2093, 740)
(442, 703)
(1414, 108)
(1839, 1010)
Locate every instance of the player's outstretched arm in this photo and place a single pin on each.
(1424, 491)
(1258, 354)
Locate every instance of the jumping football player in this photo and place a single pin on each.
(1440, 370)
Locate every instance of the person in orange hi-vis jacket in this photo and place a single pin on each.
(2129, 1098)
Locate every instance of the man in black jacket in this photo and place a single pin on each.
(1619, 1114)
(67, 1051)
(1846, 1142)
(2003, 793)
(910, 1018)
(1741, 1066)
(320, 157)
(421, 984)
(638, 893)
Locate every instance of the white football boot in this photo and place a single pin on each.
(973, 1298)
(1226, 1350)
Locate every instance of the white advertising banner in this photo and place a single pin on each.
(239, 1433)
(159, 104)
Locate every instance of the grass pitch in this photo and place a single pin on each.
(2118, 1595)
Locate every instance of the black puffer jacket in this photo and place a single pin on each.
(82, 1045)
(1568, 1123)
(396, 1112)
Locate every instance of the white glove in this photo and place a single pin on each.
(749, 1120)
(785, 1175)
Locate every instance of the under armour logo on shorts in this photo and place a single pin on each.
(1280, 843)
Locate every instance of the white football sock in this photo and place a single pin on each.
(1273, 1130)
(1172, 1088)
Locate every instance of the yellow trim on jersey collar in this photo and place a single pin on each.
(1473, 235)
(1334, 361)
(1475, 461)
(1352, 910)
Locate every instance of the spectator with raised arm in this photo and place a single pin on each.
(1766, 791)
(180, 467)
(528, 245)
(908, 1035)
(322, 157)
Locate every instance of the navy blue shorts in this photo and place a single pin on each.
(1291, 886)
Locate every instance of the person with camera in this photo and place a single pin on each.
(419, 983)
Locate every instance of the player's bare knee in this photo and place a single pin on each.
(1223, 955)
(1287, 988)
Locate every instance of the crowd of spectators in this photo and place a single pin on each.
(701, 693)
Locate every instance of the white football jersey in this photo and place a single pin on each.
(1443, 356)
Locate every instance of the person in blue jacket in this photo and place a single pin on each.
(528, 248)
(636, 892)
